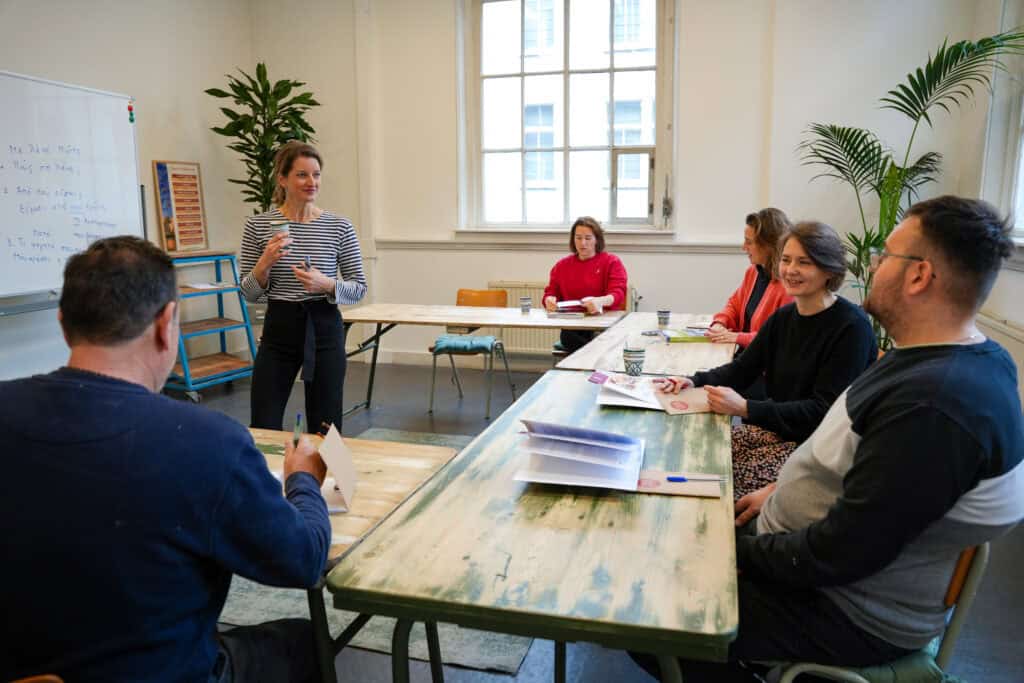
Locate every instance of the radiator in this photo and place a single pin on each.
(1010, 334)
(523, 340)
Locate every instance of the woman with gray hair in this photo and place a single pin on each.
(808, 352)
(303, 261)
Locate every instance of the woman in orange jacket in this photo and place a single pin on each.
(761, 293)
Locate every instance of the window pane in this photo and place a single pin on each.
(635, 34)
(542, 35)
(588, 34)
(1019, 209)
(634, 108)
(503, 200)
(543, 112)
(499, 38)
(631, 197)
(588, 185)
(545, 192)
(501, 111)
(588, 110)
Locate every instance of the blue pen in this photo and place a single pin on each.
(308, 264)
(298, 429)
(676, 478)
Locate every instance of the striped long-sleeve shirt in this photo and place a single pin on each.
(332, 246)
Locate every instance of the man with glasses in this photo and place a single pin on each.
(846, 558)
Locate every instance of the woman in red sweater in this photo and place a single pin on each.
(589, 274)
(761, 293)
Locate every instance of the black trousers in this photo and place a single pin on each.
(784, 624)
(280, 651)
(574, 339)
(307, 335)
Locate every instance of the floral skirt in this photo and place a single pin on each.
(757, 457)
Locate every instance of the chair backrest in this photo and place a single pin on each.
(482, 297)
(963, 586)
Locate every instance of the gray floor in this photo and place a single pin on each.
(988, 650)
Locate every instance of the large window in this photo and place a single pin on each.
(563, 96)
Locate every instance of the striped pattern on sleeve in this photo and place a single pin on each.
(332, 246)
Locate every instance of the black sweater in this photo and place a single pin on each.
(807, 362)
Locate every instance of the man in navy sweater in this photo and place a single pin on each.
(126, 512)
(845, 560)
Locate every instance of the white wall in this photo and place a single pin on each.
(164, 54)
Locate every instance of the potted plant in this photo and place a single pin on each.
(857, 156)
(269, 117)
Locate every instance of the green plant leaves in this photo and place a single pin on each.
(950, 76)
(264, 121)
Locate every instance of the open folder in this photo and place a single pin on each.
(641, 392)
(560, 454)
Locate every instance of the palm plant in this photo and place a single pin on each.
(271, 120)
(858, 158)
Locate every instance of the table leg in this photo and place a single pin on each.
(372, 342)
(400, 651)
(322, 643)
(373, 367)
(670, 672)
(559, 662)
(434, 647)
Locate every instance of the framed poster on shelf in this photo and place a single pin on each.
(179, 205)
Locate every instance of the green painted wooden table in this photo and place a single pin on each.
(632, 571)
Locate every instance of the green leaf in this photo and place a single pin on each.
(229, 113)
(217, 92)
(950, 75)
(853, 155)
(261, 75)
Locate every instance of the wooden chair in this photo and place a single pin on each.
(465, 344)
(928, 664)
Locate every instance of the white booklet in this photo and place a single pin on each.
(641, 392)
(560, 454)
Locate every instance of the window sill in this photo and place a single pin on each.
(619, 241)
(1016, 260)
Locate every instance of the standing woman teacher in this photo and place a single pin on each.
(589, 274)
(305, 261)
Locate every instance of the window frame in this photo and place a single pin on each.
(470, 150)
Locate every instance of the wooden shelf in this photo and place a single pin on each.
(214, 364)
(209, 325)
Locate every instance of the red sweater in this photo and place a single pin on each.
(734, 314)
(597, 276)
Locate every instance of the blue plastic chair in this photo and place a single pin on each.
(470, 345)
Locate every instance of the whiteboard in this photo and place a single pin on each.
(68, 176)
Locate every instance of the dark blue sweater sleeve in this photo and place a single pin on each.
(264, 536)
(896, 487)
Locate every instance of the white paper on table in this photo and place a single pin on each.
(607, 457)
(203, 285)
(631, 392)
(548, 470)
(333, 497)
(339, 463)
(563, 454)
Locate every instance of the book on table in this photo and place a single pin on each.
(572, 308)
(561, 454)
(578, 456)
(641, 392)
(686, 335)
